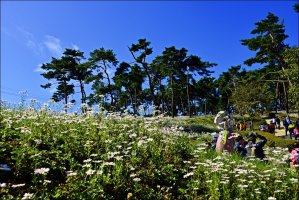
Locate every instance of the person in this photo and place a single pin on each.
(295, 155)
(271, 128)
(244, 126)
(286, 123)
(297, 123)
(296, 133)
(277, 121)
(251, 126)
(214, 140)
(258, 150)
(288, 119)
(225, 123)
(240, 146)
(238, 126)
(262, 127)
(273, 120)
(291, 130)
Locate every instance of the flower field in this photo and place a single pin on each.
(46, 155)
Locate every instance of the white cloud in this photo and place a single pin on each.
(30, 41)
(53, 44)
(74, 46)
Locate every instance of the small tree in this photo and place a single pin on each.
(249, 99)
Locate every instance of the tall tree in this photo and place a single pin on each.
(78, 71)
(194, 64)
(172, 67)
(58, 71)
(140, 51)
(102, 60)
(291, 57)
(156, 68)
(269, 46)
(226, 84)
(131, 78)
(207, 94)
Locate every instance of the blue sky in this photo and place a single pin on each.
(33, 32)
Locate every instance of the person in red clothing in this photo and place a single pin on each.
(271, 128)
(295, 155)
(296, 133)
(244, 126)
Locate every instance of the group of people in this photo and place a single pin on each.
(251, 147)
(243, 126)
(291, 127)
(253, 143)
(274, 124)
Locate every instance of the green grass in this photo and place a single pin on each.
(202, 124)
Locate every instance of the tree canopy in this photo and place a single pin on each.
(178, 83)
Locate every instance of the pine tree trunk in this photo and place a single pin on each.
(172, 97)
(109, 84)
(65, 96)
(286, 98)
(83, 95)
(162, 101)
(135, 99)
(188, 97)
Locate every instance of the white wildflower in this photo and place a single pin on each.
(27, 196)
(42, 171)
(71, 173)
(110, 163)
(90, 172)
(136, 179)
(188, 174)
(293, 180)
(133, 175)
(3, 185)
(88, 165)
(18, 185)
(271, 198)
